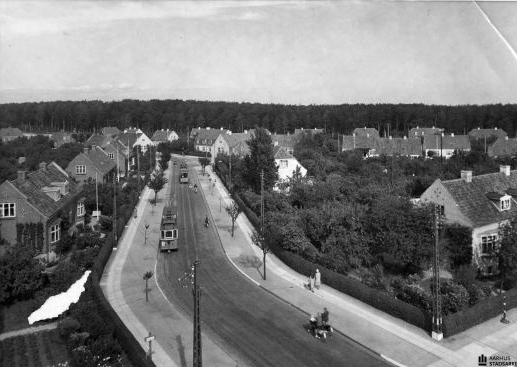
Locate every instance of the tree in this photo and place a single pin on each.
(259, 241)
(148, 275)
(157, 182)
(506, 252)
(203, 161)
(261, 158)
(458, 245)
(233, 211)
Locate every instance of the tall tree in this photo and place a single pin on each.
(157, 182)
(261, 158)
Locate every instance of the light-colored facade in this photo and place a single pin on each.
(445, 145)
(287, 166)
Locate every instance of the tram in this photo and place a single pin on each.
(169, 230)
(183, 173)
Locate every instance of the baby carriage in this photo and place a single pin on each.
(321, 332)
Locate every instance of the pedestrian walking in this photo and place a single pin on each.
(190, 186)
(317, 279)
(311, 283)
(325, 316)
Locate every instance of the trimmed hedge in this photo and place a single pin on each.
(480, 312)
(250, 214)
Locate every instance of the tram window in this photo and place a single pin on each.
(175, 233)
(168, 234)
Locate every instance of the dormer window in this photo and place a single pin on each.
(501, 201)
(505, 202)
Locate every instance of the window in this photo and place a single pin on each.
(80, 169)
(54, 233)
(219, 150)
(284, 163)
(168, 234)
(505, 204)
(7, 210)
(111, 156)
(488, 244)
(80, 209)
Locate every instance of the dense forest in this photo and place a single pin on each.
(181, 115)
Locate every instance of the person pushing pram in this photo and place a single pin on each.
(319, 325)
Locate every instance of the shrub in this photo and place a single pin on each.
(454, 297)
(77, 339)
(105, 223)
(67, 326)
(65, 244)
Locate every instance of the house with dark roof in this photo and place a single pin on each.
(308, 131)
(368, 132)
(445, 145)
(503, 147)
(117, 152)
(227, 142)
(287, 165)
(287, 141)
(163, 136)
(402, 147)
(366, 144)
(92, 164)
(134, 137)
(483, 203)
(98, 140)
(10, 133)
(487, 133)
(59, 138)
(422, 131)
(47, 196)
(205, 138)
(110, 131)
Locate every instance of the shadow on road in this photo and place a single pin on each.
(181, 350)
(251, 262)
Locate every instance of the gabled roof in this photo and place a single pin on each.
(241, 148)
(98, 140)
(10, 131)
(482, 133)
(161, 135)
(59, 136)
(100, 160)
(135, 130)
(351, 142)
(421, 131)
(128, 138)
(234, 139)
(503, 147)
(472, 200)
(110, 131)
(436, 142)
(366, 131)
(208, 134)
(399, 146)
(288, 141)
(281, 153)
(32, 188)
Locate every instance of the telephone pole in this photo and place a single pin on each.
(190, 280)
(138, 166)
(437, 333)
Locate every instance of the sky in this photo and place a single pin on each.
(291, 52)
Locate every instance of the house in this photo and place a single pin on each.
(405, 147)
(367, 144)
(288, 141)
(445, 145)
(117, 152)
(110, 131)
(422, 131)
(98, 140)
(487, 133)
(228, 142)
(163, 136)
(132, 138)
(368, 132)
(10, 133)
(308, 131)
(92, 164)
(287, 165)
(46, 196)
(482, 203)
(59, 138)
(204, 138)
(503, 147)
(143, 142)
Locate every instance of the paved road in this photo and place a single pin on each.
(256, 327)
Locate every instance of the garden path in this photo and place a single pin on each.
(29, 330)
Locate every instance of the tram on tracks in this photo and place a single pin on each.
(183, 173)
(169, 230)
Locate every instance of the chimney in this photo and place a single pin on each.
(452, 134)
(246, 131)
(42, 165)
(22, 175)
(443, 135)
(466, 176)
(478, 127)
(390, 137)
(418, 127)
(505, 170)
(85, 150)
(221, 128)
(367, 135)
(433, 126)
(163, 130)
(208, 128)
(495, 128)
(405, 137)
(506, 138)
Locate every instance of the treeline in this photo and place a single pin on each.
(395, 119)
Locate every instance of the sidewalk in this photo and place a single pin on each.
(397, 341)
(123, 285)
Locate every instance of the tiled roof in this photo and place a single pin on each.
(208, 135)
(460, 142)
(399, 146)
(235, 138)
(366, 131)
(110, 130)
(281, 153)
(100, 160)
(421, 131)
(481, 133)
(10, 131)
(242, 148)
(503, 147)
(308, 131)
(161, 135)
(98, 140)
(472, 200)
(128, 138)
(351, 142)
(35, 181)
(60, 137)
(288, 141)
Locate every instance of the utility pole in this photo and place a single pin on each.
(190, 279)
(138, 166)
(230, 157)
(115, 235)
(437, 333)
(265, 249)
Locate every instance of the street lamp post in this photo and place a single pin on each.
(504, 319)
(437, 333)
(145, 236)
(190, 280)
